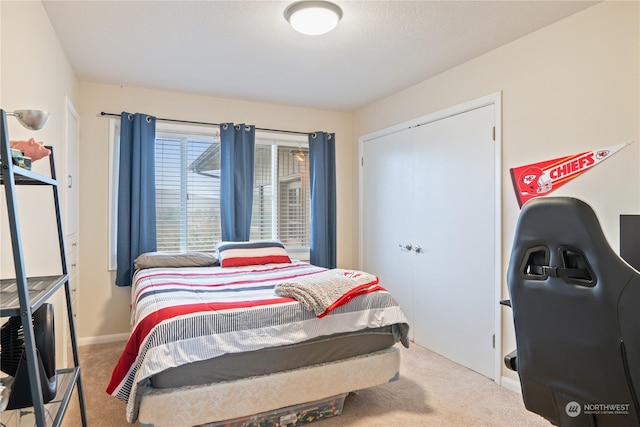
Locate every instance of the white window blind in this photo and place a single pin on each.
(281, 199)
(262, 215)
(294, 223)
(187, 193)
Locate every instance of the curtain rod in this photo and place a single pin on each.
(292, 132)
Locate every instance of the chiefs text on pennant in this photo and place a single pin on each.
(541, 178)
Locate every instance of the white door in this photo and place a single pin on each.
(388, 179)
(444, 203)
(71, 178)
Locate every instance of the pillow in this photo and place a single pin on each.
(236, 254)
(175, 259)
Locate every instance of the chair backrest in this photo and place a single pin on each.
(576, 309)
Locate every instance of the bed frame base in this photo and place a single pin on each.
(229, 401)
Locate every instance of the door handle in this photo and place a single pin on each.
(408, 246)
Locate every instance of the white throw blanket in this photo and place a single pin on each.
(323, 292)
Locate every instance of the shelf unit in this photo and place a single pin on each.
(23, 295)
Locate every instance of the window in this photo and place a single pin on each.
(188, 190)
(281, 198)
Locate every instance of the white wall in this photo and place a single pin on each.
(104, 308)
(570, 87)
(34, 73)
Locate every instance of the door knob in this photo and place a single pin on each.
(418, 249)
(408, 246)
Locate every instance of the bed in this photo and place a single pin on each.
(216, 343)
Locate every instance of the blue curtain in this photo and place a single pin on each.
(322, 174)
(237, 156)
(136, 193)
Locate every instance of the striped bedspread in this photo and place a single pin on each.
(184, 315)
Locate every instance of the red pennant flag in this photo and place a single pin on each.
(538, 179)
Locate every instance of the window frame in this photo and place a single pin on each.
(114, 155)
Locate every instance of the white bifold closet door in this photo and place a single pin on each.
(428, 231)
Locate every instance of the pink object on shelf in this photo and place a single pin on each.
(31, 148)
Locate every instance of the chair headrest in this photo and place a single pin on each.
(556, 221)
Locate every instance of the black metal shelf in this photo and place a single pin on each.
(22, 295)
(68, 377)
(40, 289)
(66, 380)
(26, 177)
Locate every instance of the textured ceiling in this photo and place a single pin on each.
(246, 49)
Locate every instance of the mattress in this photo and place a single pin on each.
(236, 366)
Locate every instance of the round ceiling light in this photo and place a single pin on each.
(313, 17)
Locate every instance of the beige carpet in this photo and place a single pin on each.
(432, 391)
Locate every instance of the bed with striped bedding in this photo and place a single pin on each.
(185, 315)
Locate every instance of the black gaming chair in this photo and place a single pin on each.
(576, 309)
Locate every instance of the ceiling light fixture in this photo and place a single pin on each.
(299, 155)
(313, 17)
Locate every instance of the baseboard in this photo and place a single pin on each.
(103, 339)
(511, 384)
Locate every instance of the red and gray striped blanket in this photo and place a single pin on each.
(184, 315)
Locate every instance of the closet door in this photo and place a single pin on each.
(388, 213)
(454, 278)
(432, 186)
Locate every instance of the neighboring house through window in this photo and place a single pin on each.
(281, 199)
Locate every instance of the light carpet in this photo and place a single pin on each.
(432, 391)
